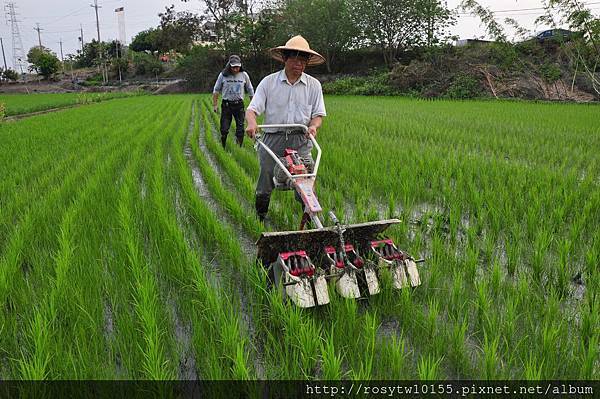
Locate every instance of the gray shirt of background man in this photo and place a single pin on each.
(283, 102)
(232, 87)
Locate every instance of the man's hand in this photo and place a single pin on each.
(314, 125)
(251, 129)
(215, 109)
(252, 126)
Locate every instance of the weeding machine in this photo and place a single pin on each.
(351, 256)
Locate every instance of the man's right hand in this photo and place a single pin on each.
(251, 129)
(215, 109)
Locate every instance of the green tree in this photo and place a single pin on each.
(437, 18)
(324, 23)
(35, 53)
(256, 35)
(178, 30)
(219, 12)
(90, 55)
(43, 61)
(199, 66)
(395, 25)
(147, 40)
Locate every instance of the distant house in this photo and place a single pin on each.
(471, 42)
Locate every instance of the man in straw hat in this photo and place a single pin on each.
(286, 97)
(231, 84)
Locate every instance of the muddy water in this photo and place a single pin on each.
(183, 335)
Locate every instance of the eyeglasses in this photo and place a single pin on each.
(299, 59)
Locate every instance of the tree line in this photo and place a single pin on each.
(350, 34)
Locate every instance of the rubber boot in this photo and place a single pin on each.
(239, 140)
(262, 205)
(223, 140)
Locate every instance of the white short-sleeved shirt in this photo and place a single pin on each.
(283, 102)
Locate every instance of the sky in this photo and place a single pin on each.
(61, 19)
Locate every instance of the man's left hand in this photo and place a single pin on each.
(312, 131)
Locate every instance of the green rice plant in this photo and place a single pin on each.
(458, 350)
(590, 318)
(431, 324)
(532, 369)
(588, 366)
(395, 358)
(491, 361)
(482, 302)
(496, 277)
(563, 269)
(513, 250)
(365, 369)
(550, 347)
(510, 319)
(331, 361)
(543, 240)
(428, 368)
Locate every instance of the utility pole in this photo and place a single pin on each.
(38, 29)
(3, 55)
(81, 37)
(95, 6)
(62, 60)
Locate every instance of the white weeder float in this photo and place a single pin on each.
(302, 261)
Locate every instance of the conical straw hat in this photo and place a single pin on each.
(298, 43)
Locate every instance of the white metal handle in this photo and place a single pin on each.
(276, 158)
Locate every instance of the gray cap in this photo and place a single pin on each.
(235, 61)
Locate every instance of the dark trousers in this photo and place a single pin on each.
(236, 110)
(277, 143)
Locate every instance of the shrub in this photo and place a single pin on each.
(10, 74)
(146, 64)
(464, 86)
(374, 85)
(200, 67)
(550, 72)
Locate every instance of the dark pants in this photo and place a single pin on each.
(277, 142)
(233, 109)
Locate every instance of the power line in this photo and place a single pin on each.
(524, 9)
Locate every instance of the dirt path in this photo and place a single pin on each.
(45, 111)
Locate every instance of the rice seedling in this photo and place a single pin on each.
(428, 368)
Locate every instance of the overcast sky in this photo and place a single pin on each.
(61, 19)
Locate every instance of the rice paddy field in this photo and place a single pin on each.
(127, 244)
(19, 104)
